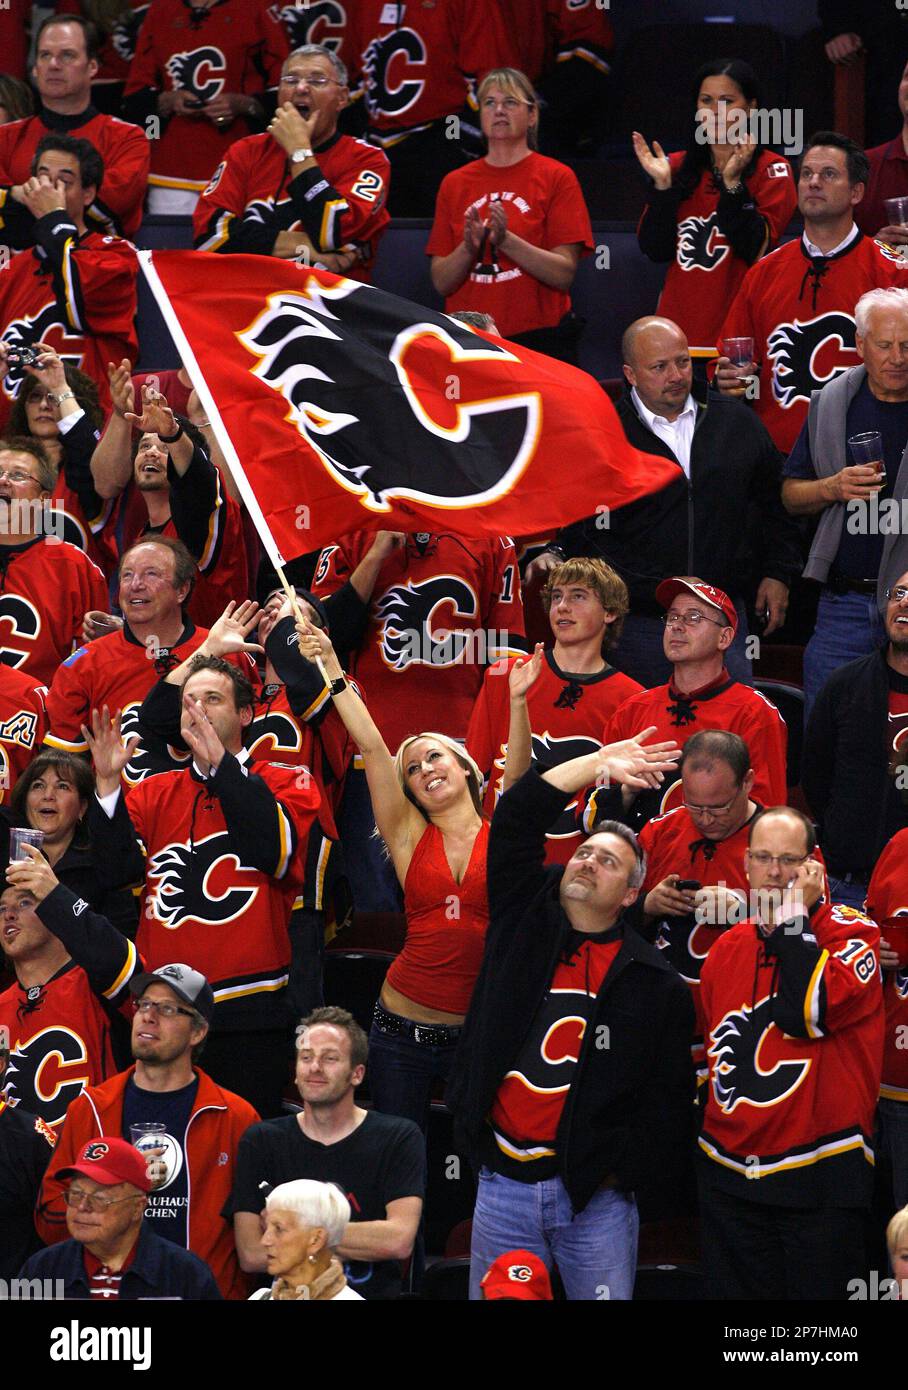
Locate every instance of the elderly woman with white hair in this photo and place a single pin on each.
(849, 468)
(304, 1223)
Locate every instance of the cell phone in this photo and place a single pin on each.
(688, 885)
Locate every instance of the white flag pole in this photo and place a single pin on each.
(244, 487)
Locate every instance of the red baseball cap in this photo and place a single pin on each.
(110, 1161)
(517, 1274)
(685, 585)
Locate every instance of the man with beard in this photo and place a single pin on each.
(193, 1165)
(379, 1161)
(854, 768)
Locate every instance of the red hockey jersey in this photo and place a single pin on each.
(60, 1032)
(545, 207)
(567, 717)
(234, 46)
(325, 21)
(795, 1045)
(46, 588)
(118, 671)
(81, 300)
(123, 148)
(23, 723)
(418, 62)
(703, 279)
(887, 901)
(724, 704)
(252, 196)
(442, 610)
(800, 314)
(542, 32)
(203, 901)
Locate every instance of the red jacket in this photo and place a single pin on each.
(218, 1121)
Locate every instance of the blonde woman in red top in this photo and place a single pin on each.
(427, 803)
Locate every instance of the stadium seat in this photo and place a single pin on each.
(789, 700)
(353, 980)
(451, 1187)
(447, 1281)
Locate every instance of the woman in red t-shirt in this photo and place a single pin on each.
(510, 229)
(427, 802)
(716, 207)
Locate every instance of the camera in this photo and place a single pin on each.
(22, 355)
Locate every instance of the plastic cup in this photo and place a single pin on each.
(868, 448)
(148, 1138)
(19, 836)
(897, 212)
(739, 351)
(895, 931)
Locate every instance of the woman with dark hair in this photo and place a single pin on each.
(716, 207)
(510, 229)
(59, 406)
(16, 100)
(52, 796)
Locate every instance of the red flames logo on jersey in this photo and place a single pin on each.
(352, 365)
(314, 22)
(738, 1076)
(405, 612)
(47, 1072)
(186, 889)
(701, 246)
(125, 34)
(388, 91)
(200, 71)
(805, 356)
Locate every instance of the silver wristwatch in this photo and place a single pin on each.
(300, 156)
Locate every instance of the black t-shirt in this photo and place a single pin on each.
(382, 1160)
(26, 1146)
(168, 1205)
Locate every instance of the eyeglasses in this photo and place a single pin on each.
(315, 79)
(509, 104)
(93, 1201)
(691, 619)
(16, 475)
(710, 810)
(897, 595)
(784, 861)
(151, 1006)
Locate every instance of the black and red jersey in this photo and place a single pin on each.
(799, 310)
(705, 274)
(23, 723)
(722, 704)
(75, 293)
(253, 195)
(224, 859)
(887, 903)
(235, 46)
(70, 1032)
(794, 1038)
(419, 62)
(441, 611)
(46, 588)
(122, 146)
(119, 671)
(567, 717)
(543, 32)
(528, 1104)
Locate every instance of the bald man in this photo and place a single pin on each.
(722, 518)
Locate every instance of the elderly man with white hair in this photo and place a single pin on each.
(304, 1223)
(848, 467)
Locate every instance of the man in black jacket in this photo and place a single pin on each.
(854, 766)
(573, 1082)
(727, 494)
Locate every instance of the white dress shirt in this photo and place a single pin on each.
(677, 434)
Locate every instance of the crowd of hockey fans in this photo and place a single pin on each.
(452, 916)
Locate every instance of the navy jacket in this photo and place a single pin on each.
(159, 1270)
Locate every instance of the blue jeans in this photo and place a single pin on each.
(401, 1073)
(848, 626)
(849, 890)
(639, 652)
(595, 1249)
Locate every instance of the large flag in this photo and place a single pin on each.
(339, 406)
